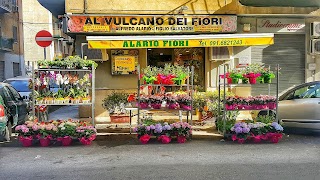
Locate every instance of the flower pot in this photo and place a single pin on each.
(26, 141)
(173, 106)
(66, 141)
(119, 118)
(164, 139)
(253, 80)
(272, 105)
(181, 139)
(144, 139)
(257, 139)
(143, 105)
(229, 80)
(155, 106)
(85, 141)
(230, 107)
(185, 107)
(44, 142)
(235, 80)
(241, 140)
(267, 79)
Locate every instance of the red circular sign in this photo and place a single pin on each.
(44, 38)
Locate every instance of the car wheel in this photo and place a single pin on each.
(8, 133)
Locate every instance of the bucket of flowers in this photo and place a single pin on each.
(66, 130)
(185, 102)
(163, 132)
(144, 132)
(45, 132)
(86, 133)
(156, 101)
(25, 133)
(172, 101)
(182, 130)
(240, 132)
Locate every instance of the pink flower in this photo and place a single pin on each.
(35, 127)
(29, 125)
(25, 130)
(48, 127)
(18, 128)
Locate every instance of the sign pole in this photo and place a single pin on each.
(44, 53)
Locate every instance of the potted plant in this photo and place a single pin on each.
(182, 130)
(115, 104)
(86, 133)
(25, 134)
(266, 75)
(43, 63)
(149, 74)
(234, 76)
(66, 131)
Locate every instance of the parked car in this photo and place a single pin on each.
(299, 106)
(15, 108)
(21, 84)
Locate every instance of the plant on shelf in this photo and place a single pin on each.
(266, 76)
(185, 101)
(234, 76)
(43, 63)
(66, 131)
(149, 74)
(181, 74)
(172, 101)
(156, 101)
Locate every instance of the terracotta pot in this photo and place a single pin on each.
(119, 118)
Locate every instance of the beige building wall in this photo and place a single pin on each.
(35, 18)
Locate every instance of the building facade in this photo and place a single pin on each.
(11, 40)
(204, 34)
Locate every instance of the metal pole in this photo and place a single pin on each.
(93, 84)
(138, 94)
(192, 74)
(44, 53)
(224, 101)
(33, 89)
(277, 93)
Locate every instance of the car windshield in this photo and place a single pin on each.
(20, 85)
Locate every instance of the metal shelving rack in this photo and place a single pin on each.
(244, 85)
(91, 103)
(188, 85)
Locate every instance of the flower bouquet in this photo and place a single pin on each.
(86, 134)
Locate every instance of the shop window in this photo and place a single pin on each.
(180, 56)
(219, 53)
(15, 34)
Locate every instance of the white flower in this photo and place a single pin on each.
(63, 128)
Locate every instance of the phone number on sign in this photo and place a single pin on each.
(226, 42)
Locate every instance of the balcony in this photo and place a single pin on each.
(56, 7)
(8, 6)
(6, 44)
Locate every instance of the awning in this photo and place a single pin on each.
(179, 41)
(281, 3)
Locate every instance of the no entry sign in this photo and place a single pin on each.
(43, 38)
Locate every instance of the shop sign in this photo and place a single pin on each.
(152, 24)
(275, 25)
(124, 63)
(122, 44)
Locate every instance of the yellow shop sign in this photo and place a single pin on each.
(127, 44)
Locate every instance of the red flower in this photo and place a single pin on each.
(241, 140)
(181, 139)
(131, 98)
(234, 137)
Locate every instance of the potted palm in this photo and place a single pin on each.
(115, 104)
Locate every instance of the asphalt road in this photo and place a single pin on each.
(123, 157)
